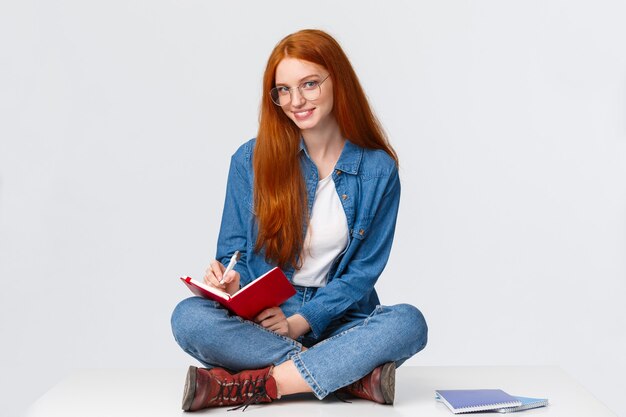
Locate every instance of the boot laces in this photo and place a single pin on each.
(253, 390)
(341, 398)
(359, 386)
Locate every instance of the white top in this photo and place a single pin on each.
(326, 236)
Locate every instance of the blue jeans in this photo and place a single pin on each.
(349, 349)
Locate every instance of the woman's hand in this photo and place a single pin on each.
(274, 319)
(215, 272)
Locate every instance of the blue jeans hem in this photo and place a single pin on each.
(319, 392)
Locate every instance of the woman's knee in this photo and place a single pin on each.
(413, 324)
(185, 318)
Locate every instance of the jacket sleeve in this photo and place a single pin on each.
(366, 258)
(233, 234)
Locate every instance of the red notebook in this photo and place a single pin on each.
(269, 290)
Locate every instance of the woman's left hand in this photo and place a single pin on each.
(273, 319)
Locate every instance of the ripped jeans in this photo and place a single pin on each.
(348, 350)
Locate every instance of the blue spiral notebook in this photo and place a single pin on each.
(527, 404)
(472, 400)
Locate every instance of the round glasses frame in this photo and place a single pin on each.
(282, 95)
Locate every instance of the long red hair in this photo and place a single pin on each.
(279, 190)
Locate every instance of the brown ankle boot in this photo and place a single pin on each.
(379, 385)
(217, 387)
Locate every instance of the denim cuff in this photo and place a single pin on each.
(317, 316)
(318, 391)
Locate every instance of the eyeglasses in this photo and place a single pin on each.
(310, 90)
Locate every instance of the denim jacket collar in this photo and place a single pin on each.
(349, 160)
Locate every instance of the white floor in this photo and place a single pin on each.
(158, 392)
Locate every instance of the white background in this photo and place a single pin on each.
(118, 119)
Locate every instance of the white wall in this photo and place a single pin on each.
(118, 119)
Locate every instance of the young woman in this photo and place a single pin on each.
(316, 193)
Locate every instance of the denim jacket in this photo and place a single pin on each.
(368, 186)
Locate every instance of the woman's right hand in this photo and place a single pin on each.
(214, 274)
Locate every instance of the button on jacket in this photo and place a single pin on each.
(368, 186)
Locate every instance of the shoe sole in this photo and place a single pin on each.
(388, 382)
(190, 388)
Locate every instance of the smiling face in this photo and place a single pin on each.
(306, 114)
